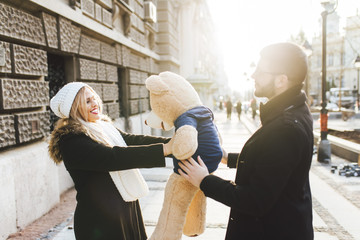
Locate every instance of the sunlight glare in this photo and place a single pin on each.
(243, 28)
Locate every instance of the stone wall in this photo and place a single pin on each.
(24, 86)
(24, 94)
(40, 51)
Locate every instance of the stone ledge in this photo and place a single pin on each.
(342, 148)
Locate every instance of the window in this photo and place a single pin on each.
(330, 59)
(57, 79)
(342, 57)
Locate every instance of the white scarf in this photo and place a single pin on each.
(130, 183)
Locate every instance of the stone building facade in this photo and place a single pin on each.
(113, 45)
(200, 61)
(342, 49)
(352, 50)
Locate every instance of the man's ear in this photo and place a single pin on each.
(281, 81)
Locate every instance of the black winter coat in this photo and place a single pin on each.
(101, 213)
(271, 196)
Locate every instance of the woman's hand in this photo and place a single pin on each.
(192, 171)
(167, 147)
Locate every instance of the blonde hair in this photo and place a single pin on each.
(80, 115)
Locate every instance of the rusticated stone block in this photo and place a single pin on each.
(134, 77)
(50, 24)
(106, 3)
(106, 18)
(126, 56)
(113, 110)
(17, 24)
(31, 126)
(137, 22)
(98, 12)
(138, 106)
(88, 7)
(87, 69)
(145, 105)
(105, 109)
(110, 92)
(69, 36)
(89, 47)
(30, 61)
(108, 53)
(137, 36)
(7, 131)
(135, 61)
(144, 93)
(143, 77)
(134, 91)
(101, 71)
(145, 64)
(134, 107)
(98, 88)
(118, 54)
(5, 53)
(139, 62)
(138, 91)
(138, 7)
(153, 66)
(23, 93)
(111, 73)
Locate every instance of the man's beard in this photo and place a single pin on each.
(267, 91)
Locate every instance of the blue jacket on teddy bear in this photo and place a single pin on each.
(209, 148)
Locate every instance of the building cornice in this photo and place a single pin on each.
(76, 16)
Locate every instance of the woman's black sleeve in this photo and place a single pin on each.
(134, 139)
(81, 152)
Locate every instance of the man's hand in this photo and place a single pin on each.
(224, 158)
(195, 172)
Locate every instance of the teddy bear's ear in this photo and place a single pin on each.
(155, 85)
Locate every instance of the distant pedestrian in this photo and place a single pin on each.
(253, 107)
(221, 105)
(270, 197)
(102, 166)
(229, 107)
(239, 108)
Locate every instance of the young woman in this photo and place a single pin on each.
(102, 162)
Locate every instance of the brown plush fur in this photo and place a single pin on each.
(196, 215)
(170, 96)
(172, 218)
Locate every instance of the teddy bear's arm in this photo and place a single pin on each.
(185, 142)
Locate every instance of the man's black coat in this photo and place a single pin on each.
(271, 196)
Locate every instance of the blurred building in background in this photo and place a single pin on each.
(113, 45)
(343, 46)
(200, 61)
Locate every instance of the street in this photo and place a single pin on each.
(336, 199)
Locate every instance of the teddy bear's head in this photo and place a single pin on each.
(170, 96)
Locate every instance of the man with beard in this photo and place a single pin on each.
(270, 198)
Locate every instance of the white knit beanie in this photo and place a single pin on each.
(61, 103)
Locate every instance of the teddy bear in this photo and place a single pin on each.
(175, 103)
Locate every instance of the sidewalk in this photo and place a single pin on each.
(336, 199)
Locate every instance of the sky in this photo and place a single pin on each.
(244, 27)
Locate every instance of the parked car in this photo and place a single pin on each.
(343, 95)
(332, 107)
